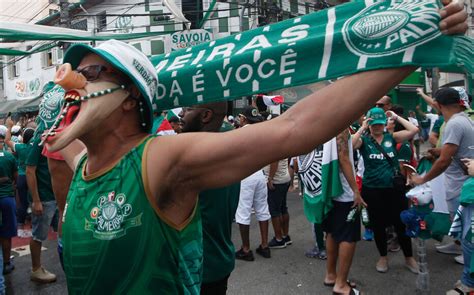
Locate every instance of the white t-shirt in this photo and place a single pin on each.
(281, 175)
(348, 194)
(433, 118)
(414, 122)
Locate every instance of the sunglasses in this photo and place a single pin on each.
(380, 105)
(93, 72)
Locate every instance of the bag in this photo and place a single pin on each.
(398, 180)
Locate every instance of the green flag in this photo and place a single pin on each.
(319, 172)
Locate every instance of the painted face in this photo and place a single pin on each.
(90, 99)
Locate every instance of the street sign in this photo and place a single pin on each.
(188, 38)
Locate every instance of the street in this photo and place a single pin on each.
(287, 272)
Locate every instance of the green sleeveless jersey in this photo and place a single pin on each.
(115, 242)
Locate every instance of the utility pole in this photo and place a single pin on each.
(434, 80)
(64, 19)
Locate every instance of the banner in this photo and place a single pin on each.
(349, 38)
(319, 172)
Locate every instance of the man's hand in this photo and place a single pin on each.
(415, 179)
(9, 123)
(453, 19)
(420, 92)
(37, 208)
(435, 152)
(391, 115)
(365, 124)
(358, 201)
(270, 185)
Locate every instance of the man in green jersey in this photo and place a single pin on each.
(134, 194)
(43, 206)
(8, 225)
(21, 151)
(217, 205)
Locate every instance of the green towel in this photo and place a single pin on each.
(343, 40)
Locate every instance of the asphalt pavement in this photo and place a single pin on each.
(288, 271)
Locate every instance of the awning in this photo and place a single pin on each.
(19, 105)
(21, 31)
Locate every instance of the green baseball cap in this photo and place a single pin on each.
(377, 115)
(127, 59)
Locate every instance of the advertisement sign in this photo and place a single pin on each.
(188, 38)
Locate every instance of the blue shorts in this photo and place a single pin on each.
(8, 209)
(41, 223)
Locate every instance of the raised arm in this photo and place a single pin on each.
(205, 160)
(402, 135)
(428, 99)
(356, 138)
(8, 136)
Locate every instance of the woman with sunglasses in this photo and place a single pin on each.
(385, 202)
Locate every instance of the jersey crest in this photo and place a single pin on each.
(110, 219)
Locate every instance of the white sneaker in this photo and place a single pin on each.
(24, 233)
(41, 275)
(460, 288)
(451, 248)
(459, 259)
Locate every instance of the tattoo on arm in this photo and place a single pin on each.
(341, 139)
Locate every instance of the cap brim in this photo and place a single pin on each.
(375, 122)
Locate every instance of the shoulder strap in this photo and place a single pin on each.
(377, 145)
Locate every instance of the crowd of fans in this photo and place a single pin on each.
(371, 152)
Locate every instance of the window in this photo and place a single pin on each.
(101, 21)
(13, 68)
(51, 57)
(28, 58)
(157, 47)
(223, 25)
(294, 6)
(1, 82)
(47, 59)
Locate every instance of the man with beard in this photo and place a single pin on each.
(133, 193)
(217, 205)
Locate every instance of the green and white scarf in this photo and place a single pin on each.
(349, 38)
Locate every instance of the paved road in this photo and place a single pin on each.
(290, 272)
(287, 272)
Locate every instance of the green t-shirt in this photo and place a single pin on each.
(217, 211)
(115, 242)
(218, 208)
(7, 174)
(378, 171)
(404, 153)
(437, 125)
(21, 153)
(467, 192)
(43, 178)
(226, 126)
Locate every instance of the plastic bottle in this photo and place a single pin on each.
(351, 216)
(365, 216)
